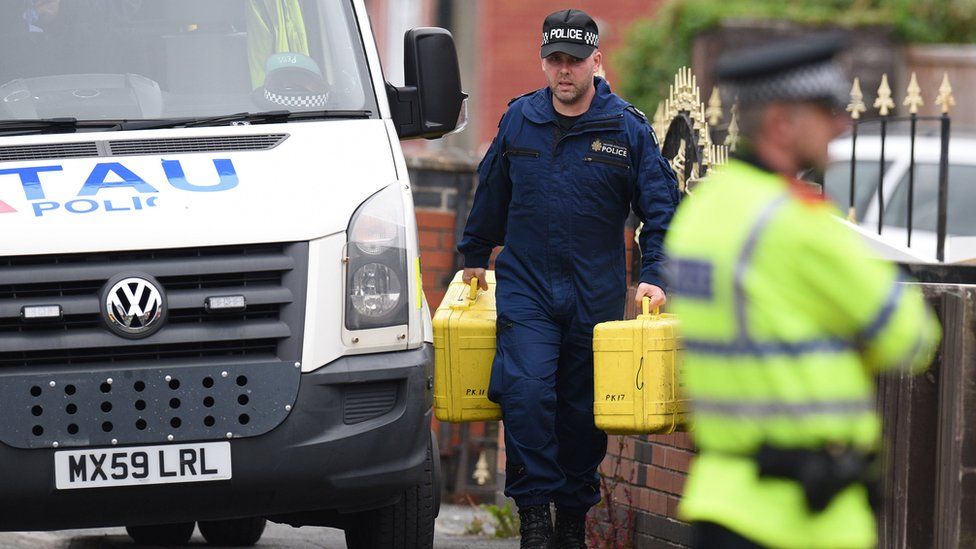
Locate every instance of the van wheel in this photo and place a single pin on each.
(243, 532)
(407, 524)
(161, 534)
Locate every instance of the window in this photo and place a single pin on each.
(838, 184)
(961, 200)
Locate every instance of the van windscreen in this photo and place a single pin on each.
(150, 59)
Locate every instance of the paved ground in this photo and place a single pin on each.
(449, 534)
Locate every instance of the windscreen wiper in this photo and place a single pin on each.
(70, 124)
(265, 117)
(52, 125)
(277, 116)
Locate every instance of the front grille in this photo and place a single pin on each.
(271, 277)
(257, 348)
(362, 402)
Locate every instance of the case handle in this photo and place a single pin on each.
(474, 289)
(646, 307)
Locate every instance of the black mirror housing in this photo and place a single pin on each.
(430, 102)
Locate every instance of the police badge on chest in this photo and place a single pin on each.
(610, 148)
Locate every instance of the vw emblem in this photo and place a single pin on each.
(134, 306)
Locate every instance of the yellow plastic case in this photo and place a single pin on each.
(464, 347)
(636, 364)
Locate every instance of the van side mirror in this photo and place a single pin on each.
(430, 103)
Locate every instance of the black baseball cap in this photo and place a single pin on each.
(570, 31)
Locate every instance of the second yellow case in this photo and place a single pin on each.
(636, 368)
(464, 348)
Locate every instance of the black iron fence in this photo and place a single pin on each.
(884, 103)
(697, 138)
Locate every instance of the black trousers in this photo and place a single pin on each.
(708, 535)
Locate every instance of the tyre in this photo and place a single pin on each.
(161, 534)
(406, 524)
(243, 532)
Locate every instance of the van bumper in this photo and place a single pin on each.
(337, 451)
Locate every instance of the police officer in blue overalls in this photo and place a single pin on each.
(556, 188)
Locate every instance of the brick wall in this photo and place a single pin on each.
(651, 472)
(511, 35)
(436, 259)
(438, 181)
(500, 53)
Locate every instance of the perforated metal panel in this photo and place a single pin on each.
(145, 405)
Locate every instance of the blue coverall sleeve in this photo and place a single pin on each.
(654, 200)
(488, 219)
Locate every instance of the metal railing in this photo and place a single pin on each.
(913, 100)
(690, 131)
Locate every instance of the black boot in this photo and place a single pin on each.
(536, 526)
(570, 531)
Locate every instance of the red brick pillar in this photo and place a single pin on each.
(442, 187)
(436, 233)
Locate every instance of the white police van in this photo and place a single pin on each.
(210, 297)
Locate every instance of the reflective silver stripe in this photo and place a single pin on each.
(796, 410)
(743, 344)
(689, 277)
(924, 340)
(768, 348)
(906, 364)
(745, 256)
(872, 330)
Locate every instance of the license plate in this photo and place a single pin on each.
(142, 465)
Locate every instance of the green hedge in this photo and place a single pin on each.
(658, 47)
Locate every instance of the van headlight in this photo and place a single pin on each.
(376, 270)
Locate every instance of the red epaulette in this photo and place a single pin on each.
(806, 192)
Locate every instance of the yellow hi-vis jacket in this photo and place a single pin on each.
(273, 26)
(785, 318)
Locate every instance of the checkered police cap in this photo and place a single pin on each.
(297, 101)
(283, 70)
(801, 69)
